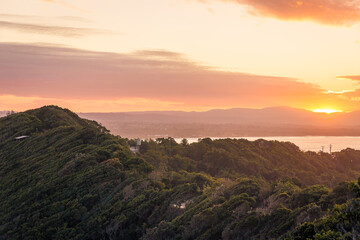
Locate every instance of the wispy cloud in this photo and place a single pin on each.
(160, 53)
(333, 12)
(50, 30)
(350, 77)
(20, 17)
(340, 92)
(352, 95)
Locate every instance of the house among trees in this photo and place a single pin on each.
(8, 113)
(138, 143)
(136, 148)
(21, 137)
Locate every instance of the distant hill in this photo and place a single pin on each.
(238, 122)
(72, 179)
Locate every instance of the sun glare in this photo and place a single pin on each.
(328, 111)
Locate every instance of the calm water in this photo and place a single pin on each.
(309, 143)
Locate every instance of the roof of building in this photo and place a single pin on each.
(21, 137)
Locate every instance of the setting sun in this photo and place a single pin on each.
(328, 111)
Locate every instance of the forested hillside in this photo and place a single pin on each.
(69, 178)
(267, 160)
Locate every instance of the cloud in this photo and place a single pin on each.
(161, 54)
(349, 95)
(50, 30)
(17, 17)
(67, 73)
(84, 105)
(352, 77)
(340, 92)
(352, 96)
(333, 12)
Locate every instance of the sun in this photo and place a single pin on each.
(326, 110)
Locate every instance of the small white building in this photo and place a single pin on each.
(21, 137)
(136, 148)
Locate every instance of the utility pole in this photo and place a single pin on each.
(330, 148)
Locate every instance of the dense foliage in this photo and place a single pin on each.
(71, 179)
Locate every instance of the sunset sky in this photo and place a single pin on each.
(122, 55)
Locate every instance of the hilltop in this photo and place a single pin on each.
(72, 179)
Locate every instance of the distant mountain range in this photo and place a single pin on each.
(237, 122)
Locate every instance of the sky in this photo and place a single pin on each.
(189, 55)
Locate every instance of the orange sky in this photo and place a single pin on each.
(91, 55)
